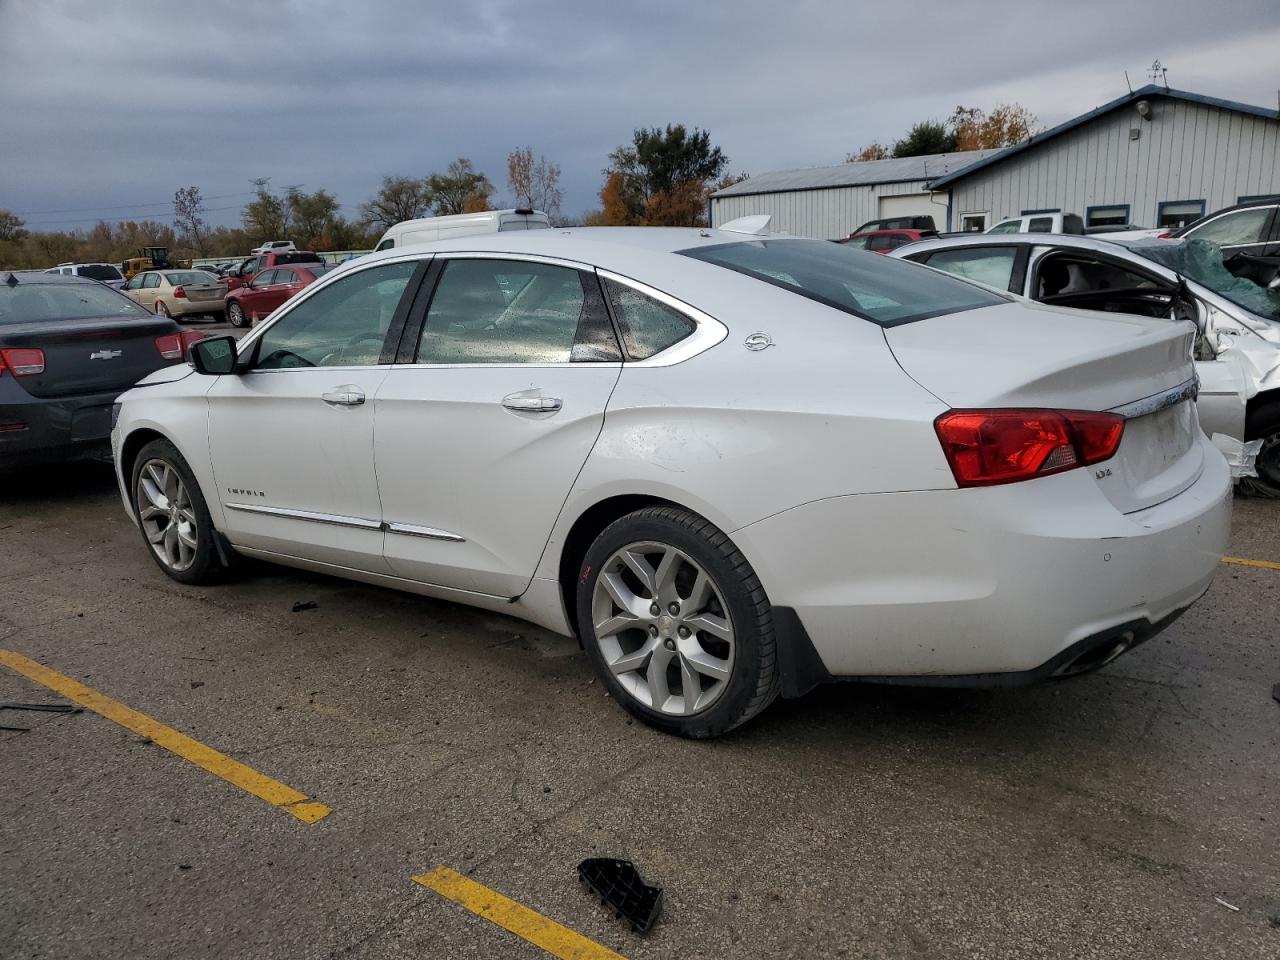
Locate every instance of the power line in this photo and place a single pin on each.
(49, 223)
(126, 206)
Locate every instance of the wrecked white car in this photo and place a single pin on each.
(1235, 306)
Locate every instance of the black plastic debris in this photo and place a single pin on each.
(1275, 693)
(620, 887)
(43, 707)
(304, 605)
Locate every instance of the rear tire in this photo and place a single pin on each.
(235, 314)
(172, 515)
(676, 623)
(1264, 424)
(161, 309)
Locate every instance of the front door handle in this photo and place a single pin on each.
(344, 396)
(531, 404)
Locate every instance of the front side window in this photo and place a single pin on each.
(1040, 225)
(1243, 226)
(386, 244)
(875, 288)
(647, 326)
(99, 271)
(265, 279)
(151, 281)
(343, 325)
(514, 311)
(1064, 275)
(992, 266)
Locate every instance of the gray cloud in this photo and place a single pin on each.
(115, 104)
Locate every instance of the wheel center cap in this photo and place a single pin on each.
(665, 624)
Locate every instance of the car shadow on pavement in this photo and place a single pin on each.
(63, 481)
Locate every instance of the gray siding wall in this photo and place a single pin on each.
(829, 214)
(1185, 152)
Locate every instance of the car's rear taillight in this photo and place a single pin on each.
(174, 346)
(179, 293)
(189, 337)
(986, 447)
(22, 361)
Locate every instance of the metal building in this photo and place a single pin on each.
(829, 203)
(1156, 157)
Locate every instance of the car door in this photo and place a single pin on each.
(253, 296)
(480, 433)
(1239, 231)
(149, 290)
(291, 437)
(284, 284)
(1221, 402)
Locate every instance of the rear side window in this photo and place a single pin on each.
(1040, 225)
(515, 311)
(990, 265)
(386, 244)
(875, 288)
(647, 326)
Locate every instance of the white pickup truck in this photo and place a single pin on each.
(1041, 223)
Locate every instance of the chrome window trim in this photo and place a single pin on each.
(707, 331)
(288, 513)
(430, 533)
(1187, 390)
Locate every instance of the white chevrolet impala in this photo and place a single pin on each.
(735, 465)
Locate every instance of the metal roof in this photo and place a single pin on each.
(862, 173)
(1151, 90)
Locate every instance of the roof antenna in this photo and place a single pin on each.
(1158, 72)
(12, 281)
(1127, 83)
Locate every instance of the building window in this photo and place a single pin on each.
(973, 222)
(1178, 213)
(1029, 213)
(1107, 216)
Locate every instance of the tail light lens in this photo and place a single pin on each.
(179, 293)
(987, 447)
(22, 362)
(173, 346)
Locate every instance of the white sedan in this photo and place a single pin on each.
(735, 465)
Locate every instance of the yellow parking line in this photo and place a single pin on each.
(220, 765)
(557, 940)
(1265, 564)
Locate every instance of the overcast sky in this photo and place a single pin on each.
(114, 105)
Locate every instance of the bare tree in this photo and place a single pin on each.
(187, 207)
(400, 199)
(535, 183)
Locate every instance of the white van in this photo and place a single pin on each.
(461, 225)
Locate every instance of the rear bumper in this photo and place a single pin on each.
(187, 308)
(965, 584)
(34, 431)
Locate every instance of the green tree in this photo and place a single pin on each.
(460, 186)
(925, 137)
(266, 216)
(400, 199)
(311, 216)
(11, 226)
(661, 177)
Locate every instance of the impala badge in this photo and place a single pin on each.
(105, 354)
(758, 341)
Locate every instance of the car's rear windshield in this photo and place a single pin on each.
(191, 278)
(867, 285)
(27, 302)
(99, 271)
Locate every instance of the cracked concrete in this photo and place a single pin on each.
(1096, 818)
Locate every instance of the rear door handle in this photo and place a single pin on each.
(531, 404)
(344, 396)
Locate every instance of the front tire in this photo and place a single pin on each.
(676, 623)
(235, 314)
(172, 515)
(1264, 424)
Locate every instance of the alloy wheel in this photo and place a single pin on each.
(167, 515)
(663, 628)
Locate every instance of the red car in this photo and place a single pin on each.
(245, 270)
(268, 289)
(882, 241)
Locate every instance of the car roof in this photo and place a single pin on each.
(39, 276)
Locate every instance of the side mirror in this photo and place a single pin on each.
(215, 356)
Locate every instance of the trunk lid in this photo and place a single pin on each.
(1027, 355)
(204, 291)
(90, 356)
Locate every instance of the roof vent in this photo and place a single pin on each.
(756, 225)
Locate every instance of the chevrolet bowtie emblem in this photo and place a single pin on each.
(105, 354)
